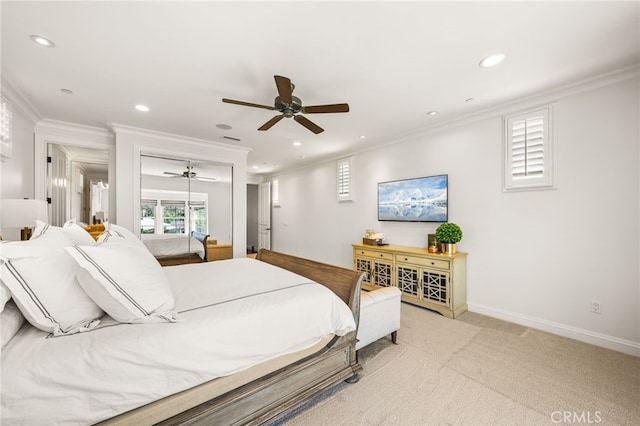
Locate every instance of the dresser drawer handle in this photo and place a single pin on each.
(405, 259)
(433, 263)
(381, 255)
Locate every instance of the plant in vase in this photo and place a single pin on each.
(448, 234)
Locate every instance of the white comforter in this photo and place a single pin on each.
(173, 245)
(234, 314)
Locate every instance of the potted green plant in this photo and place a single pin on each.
(448, 234)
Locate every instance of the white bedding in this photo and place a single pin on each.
(172, 245)
(234, 314)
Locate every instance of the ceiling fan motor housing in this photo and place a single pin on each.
(288, 109)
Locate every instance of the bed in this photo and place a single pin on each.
(177, 249)
(244, 341)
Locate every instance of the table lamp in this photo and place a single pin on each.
(23, 214)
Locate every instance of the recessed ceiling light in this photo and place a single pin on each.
(432, 112)
(42, 41)
(223, 126)
(142, 108)
(469, 100)
(492, 60)
(67, 91)
(297, 143)
(362, 136)
(255, 167)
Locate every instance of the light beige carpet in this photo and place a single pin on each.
(477, 370)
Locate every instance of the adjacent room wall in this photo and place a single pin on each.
(539, 257)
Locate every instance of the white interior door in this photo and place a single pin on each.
(57, 178)
(264, 216)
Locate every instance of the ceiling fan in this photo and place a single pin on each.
(291, 106)
(188, 174)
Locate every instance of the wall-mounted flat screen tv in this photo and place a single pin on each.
(421, 199)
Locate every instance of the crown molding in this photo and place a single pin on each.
(19, 101)
(64, 130)
(535, 99)
(124, 129)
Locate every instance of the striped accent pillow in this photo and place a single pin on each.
(43, 283)
(124, 279)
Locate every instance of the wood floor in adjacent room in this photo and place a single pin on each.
(477, 370)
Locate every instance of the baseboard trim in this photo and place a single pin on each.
(598, 339)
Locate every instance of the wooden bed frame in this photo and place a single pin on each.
(269, 398)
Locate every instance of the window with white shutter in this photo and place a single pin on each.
(344, 178)
(528, 151)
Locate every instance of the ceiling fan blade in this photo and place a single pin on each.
(308, 124)
(270, 123)
(204, 178)
(319, 109)
(249, 104)
(172, 174)
(284, 88)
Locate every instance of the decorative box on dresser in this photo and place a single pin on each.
(434, 281)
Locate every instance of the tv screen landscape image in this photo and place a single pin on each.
(421, 199)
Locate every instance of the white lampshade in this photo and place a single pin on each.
(23, 213)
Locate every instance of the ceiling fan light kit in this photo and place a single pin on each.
(291, 106)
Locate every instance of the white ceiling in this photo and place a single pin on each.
(391, 61)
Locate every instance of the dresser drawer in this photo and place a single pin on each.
(374, 254)
(423, 261)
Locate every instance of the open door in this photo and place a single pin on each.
(264, 216)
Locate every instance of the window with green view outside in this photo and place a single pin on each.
(173, 217)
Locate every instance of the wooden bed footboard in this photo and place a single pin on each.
(269, 398)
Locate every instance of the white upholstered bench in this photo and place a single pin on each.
(379, 315)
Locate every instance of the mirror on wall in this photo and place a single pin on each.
(77, 184)
(179, 197)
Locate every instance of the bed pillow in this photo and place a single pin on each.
(11, 319)
(5, 294)
(124, 279)
(127, 236)
(42, 280)
(60, 236)
(77, 233)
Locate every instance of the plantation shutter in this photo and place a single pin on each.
(344, 179)
(527, 155)
(528, 150)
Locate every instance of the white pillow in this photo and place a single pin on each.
(124, 279)
(42, 280)
(10, 322)
(5, 294)
(128, 237)
(77, 233)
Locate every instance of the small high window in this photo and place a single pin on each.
(344, 178)
(528, 150)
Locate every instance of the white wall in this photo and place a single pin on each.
(537, 258)
(252, 216)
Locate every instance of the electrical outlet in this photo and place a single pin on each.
(596, 307)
